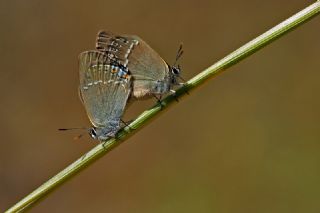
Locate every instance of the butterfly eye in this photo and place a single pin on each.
(175, 70)
(93, 133)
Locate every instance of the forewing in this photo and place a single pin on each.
(135, 54)
(104, 94)
(117, 48)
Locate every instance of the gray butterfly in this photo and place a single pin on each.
(151, 75)
(104, 89)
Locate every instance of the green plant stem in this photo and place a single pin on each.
(103, 148)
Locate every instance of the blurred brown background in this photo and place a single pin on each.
(247, 141)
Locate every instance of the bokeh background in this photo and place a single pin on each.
(247, 141)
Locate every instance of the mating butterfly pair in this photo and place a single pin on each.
(121, 69)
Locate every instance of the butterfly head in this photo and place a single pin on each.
(103, 133)
(93, 133)
(175, 73)
(175, 69)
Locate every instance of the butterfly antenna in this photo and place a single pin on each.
(179, 54)
(66, 129)
(77, 128)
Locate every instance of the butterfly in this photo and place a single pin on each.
(122, 68)
(105, 87)
(151, 75)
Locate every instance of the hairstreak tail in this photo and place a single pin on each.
(151, 75)
(104, 89)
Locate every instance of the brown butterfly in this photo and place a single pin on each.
(151, 75)
(104, 90)
(123, 67)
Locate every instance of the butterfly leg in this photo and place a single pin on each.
(126, 124)
(158, 100)
(182, 85)
(110, 135)
(84, 156)
(173, 92)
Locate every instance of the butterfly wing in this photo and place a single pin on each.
(149, 71)
(131, 51)
(103, 93)
(117, 48)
